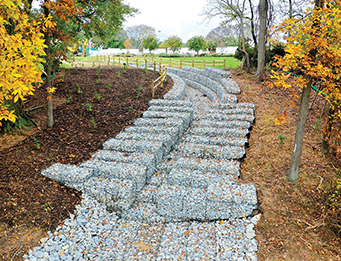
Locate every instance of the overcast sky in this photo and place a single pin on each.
(172, 17)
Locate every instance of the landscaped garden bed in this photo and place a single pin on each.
(92, 106)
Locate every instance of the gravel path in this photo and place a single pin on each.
(166, 188)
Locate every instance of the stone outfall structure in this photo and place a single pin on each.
(177, 169)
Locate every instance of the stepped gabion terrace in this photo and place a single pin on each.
(166, 188)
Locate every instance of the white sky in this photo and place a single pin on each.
(172, 17)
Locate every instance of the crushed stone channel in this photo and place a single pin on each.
(167, 187)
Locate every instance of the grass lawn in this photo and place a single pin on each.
(198, 62)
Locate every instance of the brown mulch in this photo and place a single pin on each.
(89, 109)
(296, 222)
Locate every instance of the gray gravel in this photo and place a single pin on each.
(223, 124)
(186, 117)
(144, 200)
(231, 167)
(93, 233)
(207, 151)
(216, 140)
(178, 90)
(213, 132)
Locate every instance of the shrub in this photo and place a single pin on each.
(270, 54)
(170, 55)
(252, 51)
(277, 50)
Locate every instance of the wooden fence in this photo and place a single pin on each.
(159, 81)
(169, 62)
(125, 60)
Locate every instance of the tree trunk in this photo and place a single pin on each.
(243, 50)
(290, 9)
(84, 47)
(246, 60)
(263, 14)
(296, 155)
(253, 25)
(50, 121)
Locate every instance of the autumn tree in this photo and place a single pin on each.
(21, 50)
(174, 43)
(312, 53)
(150, 43)
(70, 21)
(197, 43)
(137, 33)
(57, 17)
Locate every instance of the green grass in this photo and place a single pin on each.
(198, 62)
(230, 62)
(65, 66)
(86, 59)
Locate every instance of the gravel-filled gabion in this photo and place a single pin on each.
(162, 122)
(235, 111)
(145, 159)
(216, 80)
(197, 178)
(231, 167)
(221, 77)
(167, 141)
(72, 176)
(213, 132)
(216, 140)
(227, 106)
(222, 124)
(230, 85)
(186, 117)
(96, 234)
(116, 193)
(216, 73)
(131, 171)
(210, 151)
(180, 103)
(223, 117)
(217, 201)
(178, 90)
(206, 91)
(155, 148)
(171, 109)
(166, 133)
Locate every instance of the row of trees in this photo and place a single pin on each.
(134, 37)
(174, 43)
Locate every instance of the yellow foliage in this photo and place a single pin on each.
(313, 51)
(21, 49)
